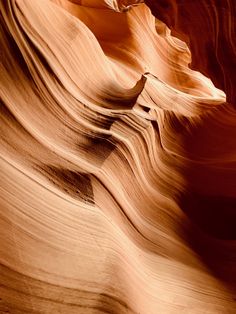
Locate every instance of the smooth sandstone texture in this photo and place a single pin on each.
(118, 157)
(209, 28)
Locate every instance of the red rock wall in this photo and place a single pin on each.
(118, 157)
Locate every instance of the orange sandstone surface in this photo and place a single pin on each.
(118, 157)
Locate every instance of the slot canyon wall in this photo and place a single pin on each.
(118, 156)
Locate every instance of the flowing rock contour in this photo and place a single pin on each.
(118, 157)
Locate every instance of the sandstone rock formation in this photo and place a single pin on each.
(118, 157)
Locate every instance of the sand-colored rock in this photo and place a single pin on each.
(118, 157)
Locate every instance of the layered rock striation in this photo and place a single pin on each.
(118, 157)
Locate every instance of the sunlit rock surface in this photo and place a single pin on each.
(118, 157)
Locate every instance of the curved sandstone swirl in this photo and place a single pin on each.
(118, 164)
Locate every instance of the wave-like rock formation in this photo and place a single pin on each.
(118, 157)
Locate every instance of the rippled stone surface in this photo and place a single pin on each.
(118, 156)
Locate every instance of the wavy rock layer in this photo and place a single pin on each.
(118, 161)
(209, 28)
